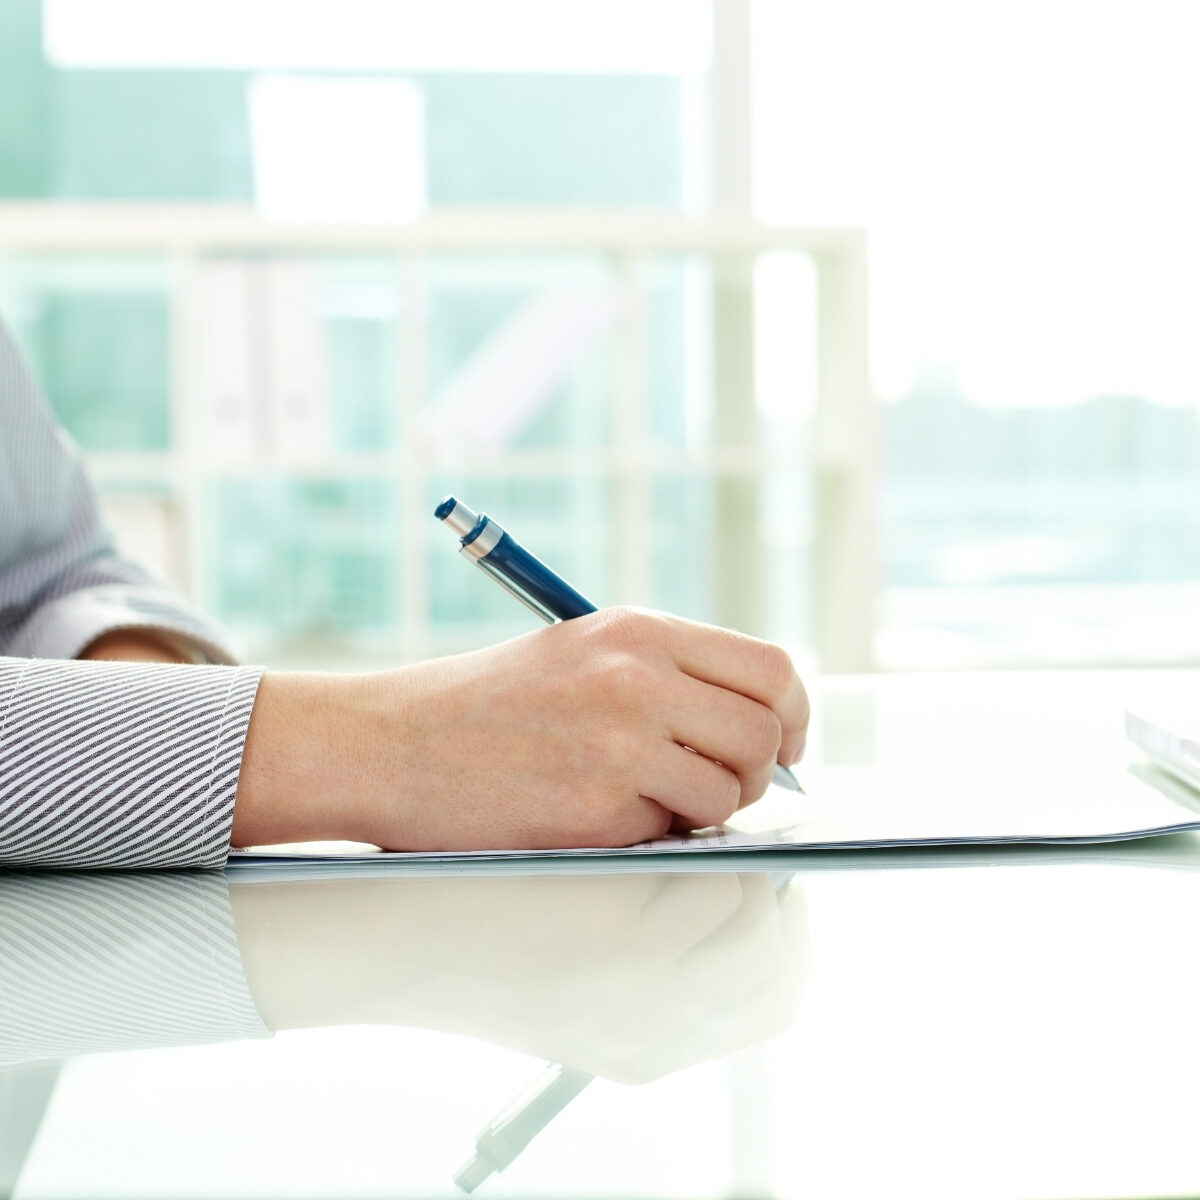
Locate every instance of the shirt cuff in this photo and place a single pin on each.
(121, 962)
(120, 764)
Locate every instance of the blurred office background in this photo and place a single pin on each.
(868, 327)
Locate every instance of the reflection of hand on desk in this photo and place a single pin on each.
(629, 976)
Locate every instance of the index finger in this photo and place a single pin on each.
(746, 665)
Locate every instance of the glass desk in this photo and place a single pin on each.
(993, 1022)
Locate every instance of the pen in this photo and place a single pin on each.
(526, 577)
(515, 1126)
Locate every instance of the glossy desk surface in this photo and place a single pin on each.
(992, 1022)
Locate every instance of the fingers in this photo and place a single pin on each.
(753, 669)
(749, 667)
(698, 790)
(742, 735)
(723, 659)
(671, 686)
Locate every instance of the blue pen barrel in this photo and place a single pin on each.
(538, 580)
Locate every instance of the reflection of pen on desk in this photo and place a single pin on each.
(527, 578)
(510, 1131)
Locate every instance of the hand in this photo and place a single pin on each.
(601, 731)
(629, 976)
(133, 645)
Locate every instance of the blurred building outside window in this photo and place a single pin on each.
(266, 403)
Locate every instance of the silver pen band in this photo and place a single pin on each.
(485, 543)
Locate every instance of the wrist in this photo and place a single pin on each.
(302, 775)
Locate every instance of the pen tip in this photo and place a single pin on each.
(444, 509)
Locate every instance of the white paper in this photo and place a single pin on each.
(864, 809)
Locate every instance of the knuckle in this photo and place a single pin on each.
(776, 669)
(629, 628)
(766, 734)
(754, 787)
(728, 798)
(624, 680)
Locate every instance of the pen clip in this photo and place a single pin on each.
(530, 602)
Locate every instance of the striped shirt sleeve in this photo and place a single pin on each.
(96, 963)
(62, 582)
(120, 764)
(101, 764)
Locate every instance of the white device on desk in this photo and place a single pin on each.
(1172, 741)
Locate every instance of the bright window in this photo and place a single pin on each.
(1026, 176)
